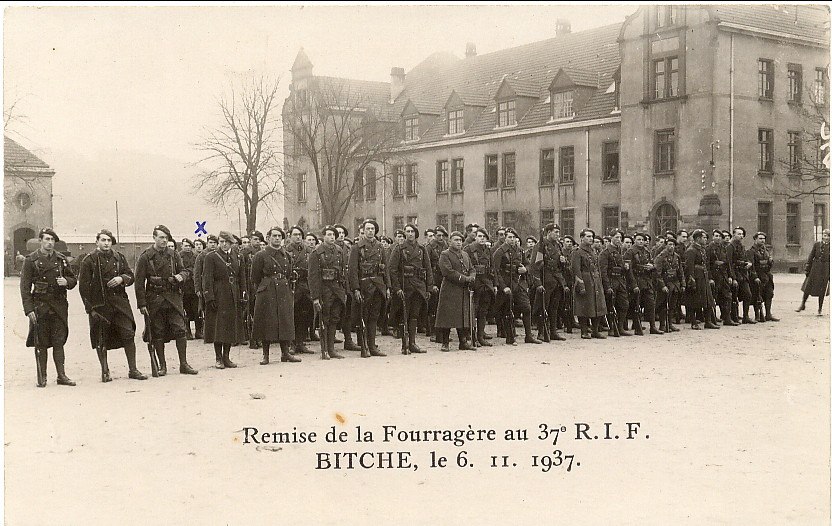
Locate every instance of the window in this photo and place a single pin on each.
(562, 105)
(457, 174)
(491, 176)
(506, 115)
(492, 222)
(820, 86)
(667, 218)
(411, 128)
(764, 220)
(441, 176)
(547, 215)
(665, 78)
(509, 160)
(795, 82)
(766, 140)
(442, 220)
(302, 187)
(458, 223)
(412, 179)
(398, 180)
(792, 223)
(510, 219)
(820, 220)
(609, 219)
(765, 84)
(358, 186)
(547, 167)
(661, 15)
(567, 164)
(794, 151)
(398, 222)
(567, 222)
(665, 151)
(370, 183)
(414, 220)
(672, 15)
(455, 122)
(609, 159)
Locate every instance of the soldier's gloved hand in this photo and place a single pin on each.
(636, 290)
(115, 282)
(507, 290)
(711, 282)
(521, 269)
(33, 317)
(180, 278)
(144, 312)
(60, 280)
(317, 305)
(400, 294)
(435, 289)
(664, 289)
(357, 295)
(682, 289)
(541, 289)
(757, 281)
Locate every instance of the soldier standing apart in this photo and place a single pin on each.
(454, 310)
(671, 278)
(700, 281)
(742, 272)
(368, 282)
(764, 285)
(617, 280)
(411, 280)
(513, 296)
(817, 273)
(45, 278)
(159, 275)
(298, 252)
(590, 305)
(223, 278)
(328, 289)
(190, 301)
(548, 258)
(274, 305)
(485, 291)
(103, 281)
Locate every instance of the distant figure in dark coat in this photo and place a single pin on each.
(817, 273)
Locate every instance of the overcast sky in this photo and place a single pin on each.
(96, 82)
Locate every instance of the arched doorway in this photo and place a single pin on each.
(665, 218)
(21, 236)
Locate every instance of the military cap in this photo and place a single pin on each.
(442, 229)
(227, 236)
(399, 231)
(642, 235)
(313, 235)
(627, 236)
(549, 227)
(647, 237)
(212, 237)
(237, 239)
(607, 238)
(370, 222)
(429, 231)
(164, 229)
(617, 231)
(679, 233)
(570, 238)
(184, 240)
(715, 231)
(670, 235)
(200, 241)
(414, 227)
(283, 234)
(726, 233)
(293, 227)
(758, 234)
(699, 233)
(585, 230)
(330, 228)
(342, 227)
(256, 233)
(107, 233)
(740, 228)
(484, 232)
(471, 226)
(511, 230)
(457, 233)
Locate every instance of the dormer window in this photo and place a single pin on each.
(506, 113)
(411, 128)
(562, 105)
(455, 122)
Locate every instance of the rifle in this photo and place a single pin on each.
(154, 360)
(405, 333)
(614, 328)
(473, 319)
(365, 346)
(323, 338)
(545, 311)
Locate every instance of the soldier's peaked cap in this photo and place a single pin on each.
(164, 229)
(256, 233)
(484, 232)
(48, 231)
(212, 237)
(442, 229)
(107, 233)
(457, 233)
(414, 227)
(226, 236)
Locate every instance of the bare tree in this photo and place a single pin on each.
(339, 132)
(241, 162)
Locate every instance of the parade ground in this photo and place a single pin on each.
(726, 426)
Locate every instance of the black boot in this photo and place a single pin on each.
(553, 331)
(349, 345)
(58, 356)
(198, 327)
(40, 359)
(745, 319)
(188, 334)
(596, 328)
(481, 334)
(411, 333)
(265, 360)
(301, 348)
(445, 338)
(371, 337)
(182, 350)
(758, 313)
(464, 344)
(105, 367)
(330, 343)
(637, 326)
(219, 364)
(653, 329)
(622, 328)
(226, 357)
(582, 322)
(769, 317)
(134, 373)
(285, 356)
(613, 327)
(160, 358)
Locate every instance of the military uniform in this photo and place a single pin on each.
(764, 290)
(367, 275)
(304, 313)
(199, 325)
(410, 273)
(671, 274)
(484, 296)
(618, 282)
(249, 291)
(549, 253)
(639, 258)
(717, 262)
(274, 316)
(347, 316)
(506, 261)
(454, 307)
(590, 303)
(42, 295)
(698, 273)
(743, 274)
(567, 314)
(223, 281)
(328, 284)
(190, 301)
(435, 249)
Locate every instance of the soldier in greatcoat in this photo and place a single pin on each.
(435, 247)
(304, 313)
(641, 264)
(328, 285)
(104, 277)
(741, 271)
(411, 280)
(700, 282)
(190, 301)
(223, 280)
(590, 304)
(211, 244)
(717, 261)
(454, 310)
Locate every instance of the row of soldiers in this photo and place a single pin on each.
(262, 290)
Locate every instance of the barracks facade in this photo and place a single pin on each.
(678, 117)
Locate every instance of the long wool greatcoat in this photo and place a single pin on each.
(97, 269)
(38, 267)
(454, 310)
(817, 271)
(274, 312)
(591, 302)
(223, 277)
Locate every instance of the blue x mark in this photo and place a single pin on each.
(200, 228)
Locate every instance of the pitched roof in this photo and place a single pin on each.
(809, 21)
(17, 157)
(370, 94)
(583, 77)
(301, 61)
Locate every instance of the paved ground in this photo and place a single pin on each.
(738, 425)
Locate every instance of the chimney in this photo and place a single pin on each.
(470, 50)
(562, 27)
(396, 83)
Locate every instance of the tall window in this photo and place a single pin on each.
(609, 219)
(458, 222)
(820, 220)
(658, 79)
(506, 115)
(442, 220)
(358, 185)
(370, 183)
(398, 222)
(765, 76)
(412, 178)
(820, 86)
(795, 82)
(792, 223)
(567, 164)
(441, 176)
(413, 220)
(547, 167)
(455, 122)
(661, 15)
(567, 222)
(547, 215)
(665, 151)
(411, 128)
(302, 187)
(667, 218)
(398, 180)
(491, 175)
(609, 155)
(794, 151)
(562, 104)
(665, 78)
(764, 220)
(509, 219)
(765, 138)
(457, 174)
(492, 222)
(673, 14)
(509, 160)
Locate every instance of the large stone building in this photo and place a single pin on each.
(677, 117)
